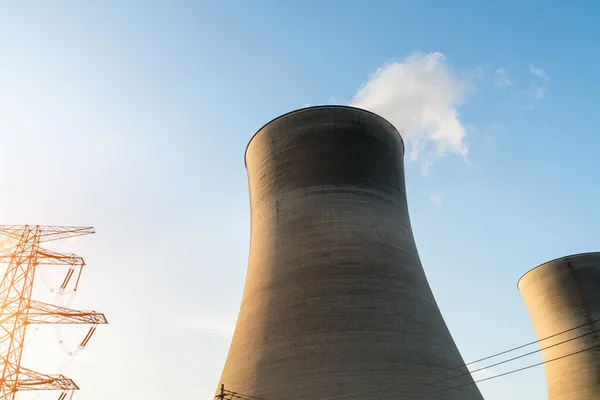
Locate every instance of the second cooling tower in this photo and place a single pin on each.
(563, 299)
(336, 301)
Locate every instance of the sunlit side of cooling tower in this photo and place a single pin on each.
(336, 300)
(561, 295)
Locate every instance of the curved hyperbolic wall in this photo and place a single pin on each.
(336, 300)
(560, 295)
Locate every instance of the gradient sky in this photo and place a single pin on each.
(134, 116)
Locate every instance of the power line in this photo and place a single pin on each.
(466, 364)
(495, 376)
(525, 368)
(249, 397)
(516, 358)
(529, 344)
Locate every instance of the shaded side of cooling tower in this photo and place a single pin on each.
(336, 300)
(561, 295)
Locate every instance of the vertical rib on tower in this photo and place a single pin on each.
(560, 295)
(336, 300)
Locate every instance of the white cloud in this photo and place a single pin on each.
(539, 82)
(501, 79)
(436, 200)
(540, 73)
(420, 96)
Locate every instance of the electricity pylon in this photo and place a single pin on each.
(18, 310)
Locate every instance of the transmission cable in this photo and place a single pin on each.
(529, 344)
(249, 397)
(466, 364)
(517, 357)
(450, 388)
(524, 368)
(492, 377)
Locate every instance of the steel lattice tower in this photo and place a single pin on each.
(18, 310)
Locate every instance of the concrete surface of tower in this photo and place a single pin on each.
(561, 295)
(336, 300)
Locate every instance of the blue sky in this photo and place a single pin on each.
(134, 118)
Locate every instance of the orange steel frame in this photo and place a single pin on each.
(18, 310)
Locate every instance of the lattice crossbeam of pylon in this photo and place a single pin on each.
(44, 313)
(45, 257)
(46, 233)
(32, 380)
(18, 310)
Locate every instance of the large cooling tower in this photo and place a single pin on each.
(561, 295)
(336, 300)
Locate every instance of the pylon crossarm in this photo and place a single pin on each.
(32, 380)
(49, 257)
(44, 257)
(46, 233)
(44, 313)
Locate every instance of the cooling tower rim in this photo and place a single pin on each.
(563, 258)
(299, 110)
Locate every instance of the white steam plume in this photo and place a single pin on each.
(420, 96)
